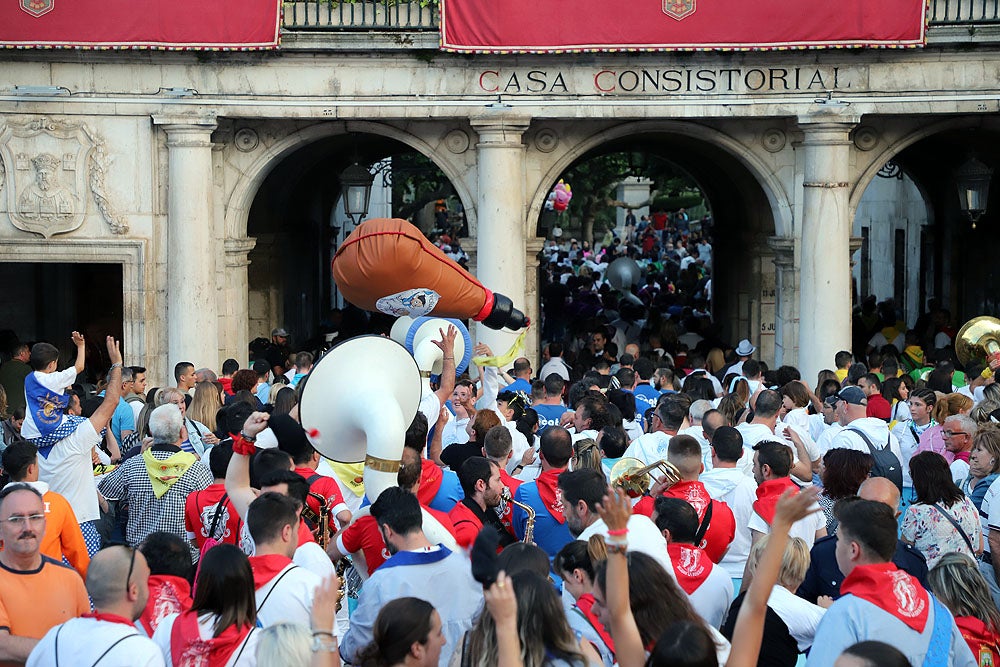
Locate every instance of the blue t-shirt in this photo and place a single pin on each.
(548, 415)
(645, 397)
(449, 494)
(520, 384)
(549, 534)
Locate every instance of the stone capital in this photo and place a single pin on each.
(237, 251)
(187, 130)
(784, 251)
(827, 128)
(501, 128)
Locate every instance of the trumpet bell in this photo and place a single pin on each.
(633, 476)
(978, 339)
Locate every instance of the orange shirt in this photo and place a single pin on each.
(33, 602)
(62, 534)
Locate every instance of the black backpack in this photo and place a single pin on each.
(886, 464)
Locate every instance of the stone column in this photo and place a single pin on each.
(238, 296)
(500, 212)
(192, 301)
(825, 278)
(533, 246)
(786, 280)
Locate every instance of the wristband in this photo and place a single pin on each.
(619, 532)
(324, 633)
(114, 366)
(242, 446)
(617, 548)
(327, 646)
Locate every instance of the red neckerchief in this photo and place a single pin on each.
(430, 481)
(109, 618)
(167, 595)
(585, 604)
(768, 494)
(305, 535)
(693, 493)
(691, 565)
(188, 649)
(548, 489)
(962, 456)
(984, 642)
(892, 590)
(266, 568)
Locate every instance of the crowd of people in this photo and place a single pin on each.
(642, 499)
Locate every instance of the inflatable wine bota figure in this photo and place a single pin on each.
(357, 403)
(388, 265)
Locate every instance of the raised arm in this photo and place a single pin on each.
(615, 510)
(102, 415)
(749, 630)
(81, 351)
(238, 472)
(502, 605)
(447, 345)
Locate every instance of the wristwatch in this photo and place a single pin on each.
(248, 438)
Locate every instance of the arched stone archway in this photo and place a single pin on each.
(253, 172)
(751, 206)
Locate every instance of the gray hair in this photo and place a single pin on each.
(967, 423)
(165, 424)
(284, 645)
(127, 374)
(698, 409)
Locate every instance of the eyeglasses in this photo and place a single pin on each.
(131, 567)
(23, 520)
(951, 434)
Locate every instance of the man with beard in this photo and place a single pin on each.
(480, 479)
(36, 592)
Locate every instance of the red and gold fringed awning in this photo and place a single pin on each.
(141, 24)
(555, 26)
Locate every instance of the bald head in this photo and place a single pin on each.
(107, 574)
(881, 490)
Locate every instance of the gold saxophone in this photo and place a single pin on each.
(529, 529)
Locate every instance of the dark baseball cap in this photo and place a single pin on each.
(849, 394)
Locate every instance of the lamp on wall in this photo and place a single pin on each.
(973, 182)
(356, 190)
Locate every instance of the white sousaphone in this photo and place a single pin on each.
(418, 334)
(361, 396)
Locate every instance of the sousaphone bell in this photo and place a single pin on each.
(978, 340)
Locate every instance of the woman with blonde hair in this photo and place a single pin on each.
(932, 440)
(959, 585)
(715, 361)
(196, 438)
(799, 618)
(990, 402)
(586, 454)
(205, 404)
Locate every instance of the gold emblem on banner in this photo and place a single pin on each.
(678, 9)
(38, 7)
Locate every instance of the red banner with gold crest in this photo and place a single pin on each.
(552, 26)
(137, 24)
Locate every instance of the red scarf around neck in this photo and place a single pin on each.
(266, 568)
(548, 489)
(188, 649)
(586, 605)
(892, 590)
(962, 456)
(109, 618)
(768, 494)
(691, 565)
(430, 481)
(167, 595)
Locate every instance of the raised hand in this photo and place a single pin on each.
(255, 423)
(324, 607)
(447, 342)
(77, 338)
(501, 600)
(114, 349)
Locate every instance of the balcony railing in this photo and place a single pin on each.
(964, 12)
(399, 15)
(378, 15)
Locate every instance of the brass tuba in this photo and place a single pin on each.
(978, 340)
(635, 479)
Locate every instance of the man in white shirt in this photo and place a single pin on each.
(582, 490)
(554, 363)
(695, 414)
(764, 426)
(118, 584)
(590, 417)
(709, 587)
(959, 430)
(771, 463)
(667, 420)
(727, 483)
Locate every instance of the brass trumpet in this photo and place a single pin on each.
(635, 479)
